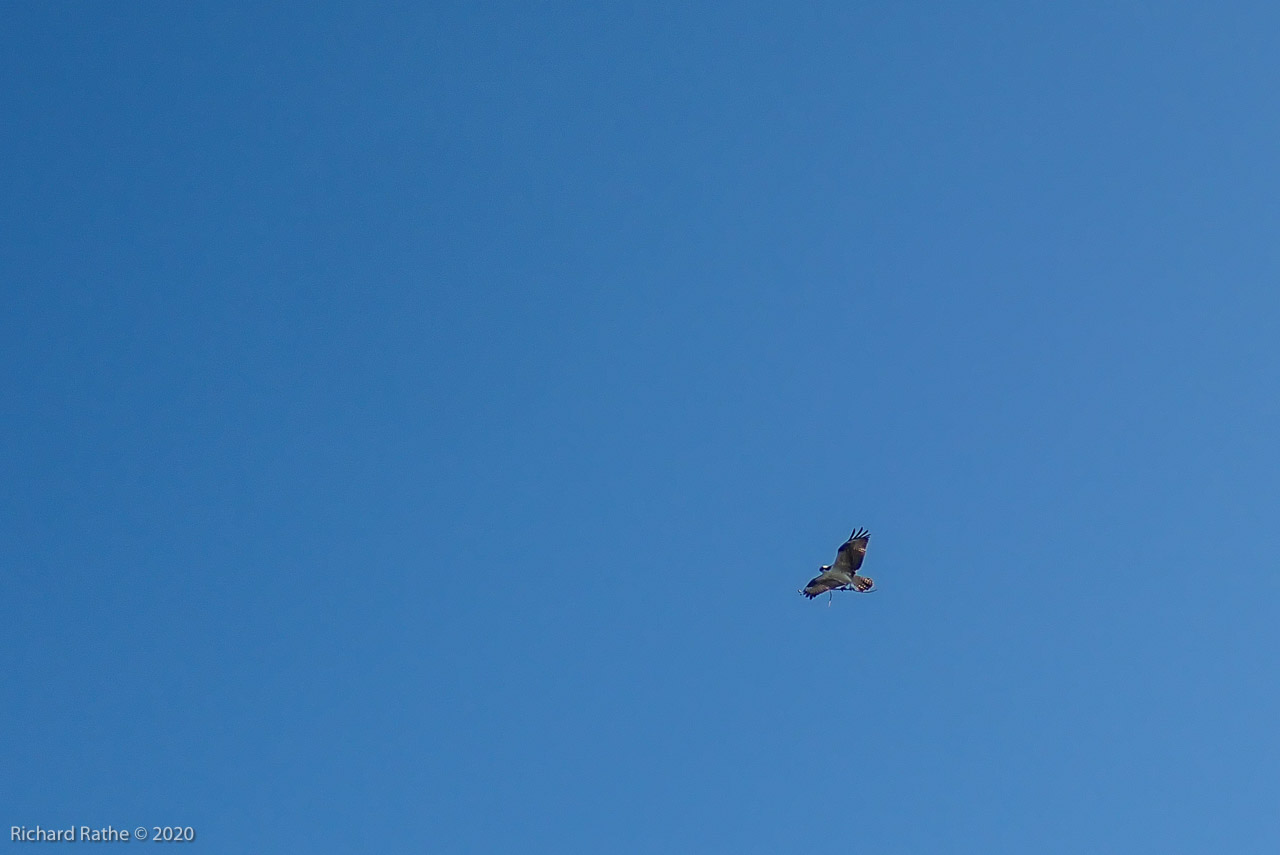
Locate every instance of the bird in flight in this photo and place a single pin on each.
(843, 574)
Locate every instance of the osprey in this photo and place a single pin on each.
(843, 575)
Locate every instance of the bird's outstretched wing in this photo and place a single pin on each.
(828, 581)
(850, 555)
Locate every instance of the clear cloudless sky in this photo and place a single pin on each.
(418, 420)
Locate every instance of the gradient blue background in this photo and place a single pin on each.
(417, 422)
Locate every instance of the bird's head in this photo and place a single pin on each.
(823, 568)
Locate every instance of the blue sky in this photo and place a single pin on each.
(418, 421)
